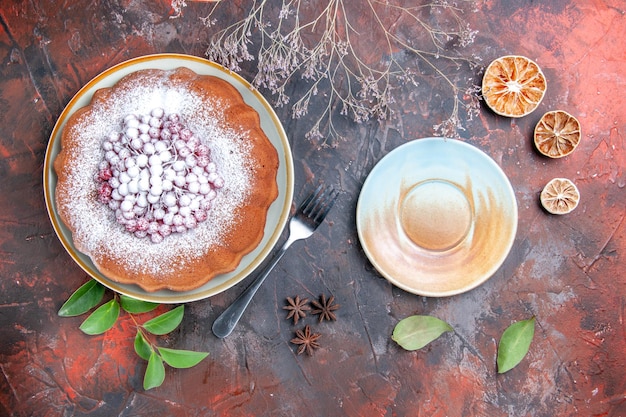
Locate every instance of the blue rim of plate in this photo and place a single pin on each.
(417, 270)
(278, 213)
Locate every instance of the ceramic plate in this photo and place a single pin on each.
(276, 217)
(437, 217)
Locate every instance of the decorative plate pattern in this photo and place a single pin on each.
(437, 217)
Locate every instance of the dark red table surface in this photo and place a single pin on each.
(567, 271)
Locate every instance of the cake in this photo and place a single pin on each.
(165, 179)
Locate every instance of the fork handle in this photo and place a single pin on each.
(226, 322)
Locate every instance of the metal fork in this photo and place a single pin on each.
(307, 219)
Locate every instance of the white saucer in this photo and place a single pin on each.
(437, 217)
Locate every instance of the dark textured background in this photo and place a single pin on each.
(567, 271)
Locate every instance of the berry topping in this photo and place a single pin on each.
(157, 176)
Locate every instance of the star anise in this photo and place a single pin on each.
(306, 340)
(297, 308)
(325, 308)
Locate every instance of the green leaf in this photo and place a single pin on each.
(134, 306)
(178, 358)
(166, 322)
(155, 372)
(142, 347)
(102, 319)
(514, 344)
(83, 299)
(415, 332)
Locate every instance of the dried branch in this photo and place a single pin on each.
(327, 51)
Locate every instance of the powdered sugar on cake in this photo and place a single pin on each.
(96, 229)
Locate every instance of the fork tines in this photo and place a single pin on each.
(318, 204)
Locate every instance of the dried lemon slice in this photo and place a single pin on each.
(557, 134)
(560, 196)
(513, 86)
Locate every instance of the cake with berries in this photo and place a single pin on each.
(165, 179)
